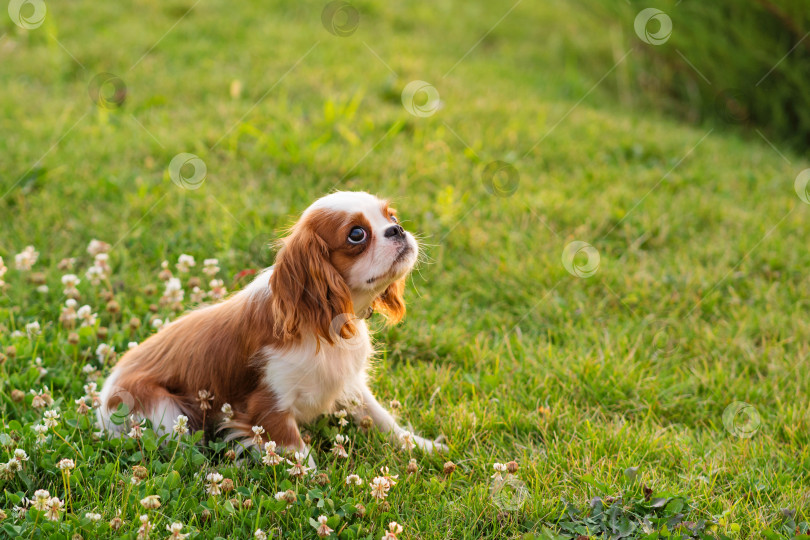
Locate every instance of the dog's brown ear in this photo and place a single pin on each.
(309, 295)
(391, 302)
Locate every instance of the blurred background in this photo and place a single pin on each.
(669, 137)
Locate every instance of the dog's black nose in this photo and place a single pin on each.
(394, 230)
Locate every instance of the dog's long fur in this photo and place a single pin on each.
(291, 345)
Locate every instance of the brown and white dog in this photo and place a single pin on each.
(290, 346)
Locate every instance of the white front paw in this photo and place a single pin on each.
(429, 446)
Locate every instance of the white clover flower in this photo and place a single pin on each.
(151, 502)
(157, 324)
(197, 295)
(173, 293)
(54, 509)
(323, 529)
(97, 246)
(499, 468)
(41, 499)
(95, 518)
(227, 410)
(298, 469)
(354, 479)
(288, 496)
(210, 267)
(260, 535)
(181, 425)
(258, 431)
(406, 438)
(102, 260)
(26, 259)
(85, 313)
(20, 455)
(394, 529)
(391, 479)
(41, 399)
(43, 289)
(51, 418)
(66, 464)
(339, 449)
(81, 406)
(33, 329)
(103, 352)
(176, 529)
(341, 416)
(271, 458)
(71, 282)
(145, 528)
(132, 345)
(136, 432)
(96, 274)
(213, 486)
(41, 430)
(91, 391)
(184, 263)
(218, 290)
(379, 488)
(68, 315)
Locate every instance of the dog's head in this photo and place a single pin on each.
(347, 252)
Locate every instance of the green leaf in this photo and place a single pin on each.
(149, 440)
(228, 507)
(197, 459)
(674, 507)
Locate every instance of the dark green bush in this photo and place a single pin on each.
(732, 62)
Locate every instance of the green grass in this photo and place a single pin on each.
(699, 300)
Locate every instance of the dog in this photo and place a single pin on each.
(290, 346)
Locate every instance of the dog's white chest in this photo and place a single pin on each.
(307, 381)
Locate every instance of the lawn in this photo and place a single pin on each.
(648, 382)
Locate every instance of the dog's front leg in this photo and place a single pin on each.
(386, 423)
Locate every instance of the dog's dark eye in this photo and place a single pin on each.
(394, 218)
(357, 235)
